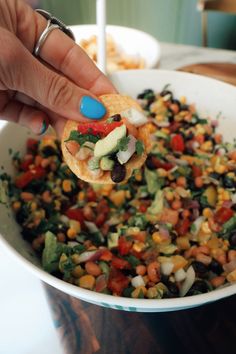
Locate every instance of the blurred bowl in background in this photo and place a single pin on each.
(127, 48)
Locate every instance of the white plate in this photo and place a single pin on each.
(211, 98)
(131, 41)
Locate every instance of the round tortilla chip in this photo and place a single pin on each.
(114, 104)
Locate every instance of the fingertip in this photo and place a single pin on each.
(91, 108)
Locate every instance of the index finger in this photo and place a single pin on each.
(62, 53)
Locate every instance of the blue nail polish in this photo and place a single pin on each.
(44, 127)
(91, 108)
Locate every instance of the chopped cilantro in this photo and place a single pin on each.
(139, 147)
(10, 151)
(123, 143)
(82, 138)
(134, 261)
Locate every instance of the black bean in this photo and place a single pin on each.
(173, 289)
(233, 207)
(118, 173)
(199, 267)
(174, 101)
(152, 114)
(216, 267)
(145, 94)
(228, 182)
(199, 286)
(215, 175)
(190, 136)
(149, 163)
(116, 117)
(184, 107)
(232, 239)
(48, 151)
(165, 93)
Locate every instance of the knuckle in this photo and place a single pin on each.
(60, 92)
(8, 59)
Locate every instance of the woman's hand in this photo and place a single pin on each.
(63, 84)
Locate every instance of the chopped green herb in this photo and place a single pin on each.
(139, 147)
(123, 143)
(82, 138)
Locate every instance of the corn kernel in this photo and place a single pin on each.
(220, 190)
(207, 146)
(138, 246)
(78, 271)
(33, 206)
(138, 176)
(183, 99)
(161, 172)
(159, 117)
(156, 237)
(127, 194)
(226, 195)
(16, 205)
(207, 213)
(231, 277)
(87, 281)
(75, 225)
(81, 196)
(220, 169)
(71, 233)
(169, 195)
(67, 186)
(205, 227)
(152, 293)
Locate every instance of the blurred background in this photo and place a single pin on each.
(175, 21)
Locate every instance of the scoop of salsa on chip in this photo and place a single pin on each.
(108, 151)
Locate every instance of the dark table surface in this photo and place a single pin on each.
(85, 328)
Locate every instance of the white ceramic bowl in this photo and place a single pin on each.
(210, 96)
(131, 41)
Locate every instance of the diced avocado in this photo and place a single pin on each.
(93, 163)
(112, 239)
(110, 143)
(106, 164)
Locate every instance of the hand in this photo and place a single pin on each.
(36, 93)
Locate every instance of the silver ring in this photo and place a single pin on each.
(53, 23)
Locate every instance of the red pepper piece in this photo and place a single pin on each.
(98, 128)
(159, 164)
(223, 214)
(117, 282)
(183, 226)
(75, 214)
(25, 164)
(124, 246)
(32, 145)
(177, 143)
(106, 256)
(25, 178)
(197, 171)
(120, 263)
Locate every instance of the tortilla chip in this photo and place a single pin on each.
(114, 104)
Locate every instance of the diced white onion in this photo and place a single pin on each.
(137, 281)
(64, 219)
(166, 268)
(233, 197)
(135, 117)
(91, 226)
(84, 257)
(124, 156)
(180, 274)
(188, 282)
(72, 243)
(89, 145)
(83, 153)
(196, 225)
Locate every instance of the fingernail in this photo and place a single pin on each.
(91, 108)
(44, 127)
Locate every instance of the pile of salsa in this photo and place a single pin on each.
(169, 231)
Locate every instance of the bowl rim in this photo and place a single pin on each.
(154, 42)
(130, 304)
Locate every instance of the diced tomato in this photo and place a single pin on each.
(25, 163)
(117, 282)
(101, 283)
(177, 143)
(91, 195)
(102, 128)
(174, 127)
(32, 145)
(75, 214)
(103, 206)
(159, 164)
(124, 246)
(143, 208)
(223, 214)
(197, 172)
(120, 263)
(183, 226)
(140, 236)
(106, 256)
(100, 219)
(25, 178)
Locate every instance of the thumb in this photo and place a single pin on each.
(21, 71)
